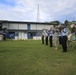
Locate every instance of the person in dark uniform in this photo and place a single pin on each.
(4, 36)
(42, 37)
(64, 38)
(60, 35)
(50, 36)
(46, 37)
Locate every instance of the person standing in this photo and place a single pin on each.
(56, 37)
(64, 38)
(42, 37)
(46, 37)
(60, 35)
(51, 36)
(4, 36)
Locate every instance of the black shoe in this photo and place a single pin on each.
(64, 51)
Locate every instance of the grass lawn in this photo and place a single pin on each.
(33, 58)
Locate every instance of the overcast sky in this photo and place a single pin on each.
(49, 10)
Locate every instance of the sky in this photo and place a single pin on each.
(27, 10)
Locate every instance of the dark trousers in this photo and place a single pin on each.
(4, 37)
(46, 40)
(64, 43)
(42, 39)
(50, 39)
(59, 39)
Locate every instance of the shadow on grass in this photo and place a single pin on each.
(4, 51)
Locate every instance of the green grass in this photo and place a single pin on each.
(33, 58)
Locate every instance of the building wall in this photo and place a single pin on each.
(48, 26)
(22, 36)
(1, 37)
(13, 26)
(37, 26)
(33, 27)
(40, 26)
(25, 26)
(5, 25)
(22, 27)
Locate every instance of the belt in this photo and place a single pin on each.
(64, 36)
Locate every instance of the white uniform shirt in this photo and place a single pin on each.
(64, 32)
(51, 33)
(60, 34)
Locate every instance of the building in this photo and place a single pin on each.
(17, 30)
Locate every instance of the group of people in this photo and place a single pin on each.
(57, 35)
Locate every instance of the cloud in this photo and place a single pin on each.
(26, 10)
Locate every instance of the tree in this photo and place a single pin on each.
(66, 22)
(55, 22)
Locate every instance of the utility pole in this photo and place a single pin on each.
(38, 14)
(37, 19)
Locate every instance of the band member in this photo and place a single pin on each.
(64, 32)
(59, 37)
(46, 37)
(60, 34)
(56, 37)
(42, 37)
(50, 36)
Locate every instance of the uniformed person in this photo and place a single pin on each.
(42, 37)
(46, 37)
(56, 37)
(59, 37)
(60, 34)
(64, 38)
(51, 36)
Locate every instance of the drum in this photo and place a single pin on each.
(72, 37)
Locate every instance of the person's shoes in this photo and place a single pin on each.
(64, 51)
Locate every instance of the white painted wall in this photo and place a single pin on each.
(16, 38)
(5, 25)
(1, 37)
(22, 36)
(36, 26)
(13, 26)
(33, 26)
(26, 36)
(40, 27)
(23, 26)
(48, 26)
